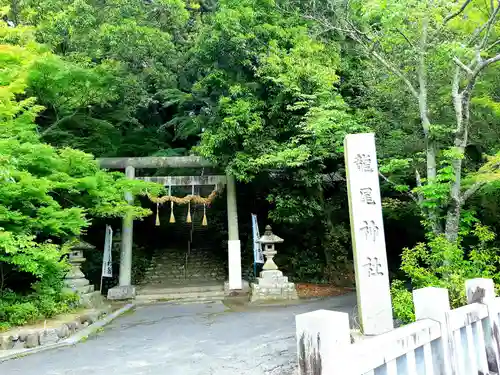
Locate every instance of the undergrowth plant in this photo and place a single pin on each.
(441, 263)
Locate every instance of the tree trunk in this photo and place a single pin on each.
(14, 9)
(455, 205)
(453, 222)
(461, 104)
(328, 223)
(2, 278)
(432, 213)
(430, 145)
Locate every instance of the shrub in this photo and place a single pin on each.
(16, 310)
(47, 306)
(18, 313)
(443, 264)
(402, 301)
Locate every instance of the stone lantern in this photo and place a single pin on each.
(75, 280)
(269, 239)
(272, 285)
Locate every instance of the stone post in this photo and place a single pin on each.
(367, 234)
(482, 291)
(234, 245)
(125, 290)
(321, 337)
(433, 303)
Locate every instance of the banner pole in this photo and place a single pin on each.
(254, 267)
(256, 246)
(106, 268)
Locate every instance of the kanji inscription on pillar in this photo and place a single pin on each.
(367, 232)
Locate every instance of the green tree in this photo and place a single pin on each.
(114, 97)
(48, 195)
(263, 95)
(436, 53)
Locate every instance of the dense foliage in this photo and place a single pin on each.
(47, 195)
(267, 89)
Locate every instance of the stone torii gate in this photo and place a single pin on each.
(125, 289)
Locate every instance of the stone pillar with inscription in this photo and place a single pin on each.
(367, 233)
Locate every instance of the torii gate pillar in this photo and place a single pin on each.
(125, 289)
(127, 238)
(233, 243)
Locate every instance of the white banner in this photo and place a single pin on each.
(107, 263)
(258, 256)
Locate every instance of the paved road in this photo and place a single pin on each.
(198, 339)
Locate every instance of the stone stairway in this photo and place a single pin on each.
(182, 294)
(174, 267)
(180, 275)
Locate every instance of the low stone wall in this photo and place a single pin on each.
(30, 338)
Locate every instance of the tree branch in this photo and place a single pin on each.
(457, 61)
(58, 121)
(408, 193)
(422, 79)
(449, 17)
(396, 71)
(405, 37)
(471, 191)
(358, 36)
(480, 67)
(328, 26)
(489, 24)
(493, 45)
(486, 25)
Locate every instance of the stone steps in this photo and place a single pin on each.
(182, 289)
(197, 268)
(185, 298)
(187, 274)
(156, 279)
(170, 266)
(180, 282)
(172, 279)
(183, 294)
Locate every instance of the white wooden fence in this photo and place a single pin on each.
(463, 341)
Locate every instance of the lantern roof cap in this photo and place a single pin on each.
(82, 245)
(269, 237)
